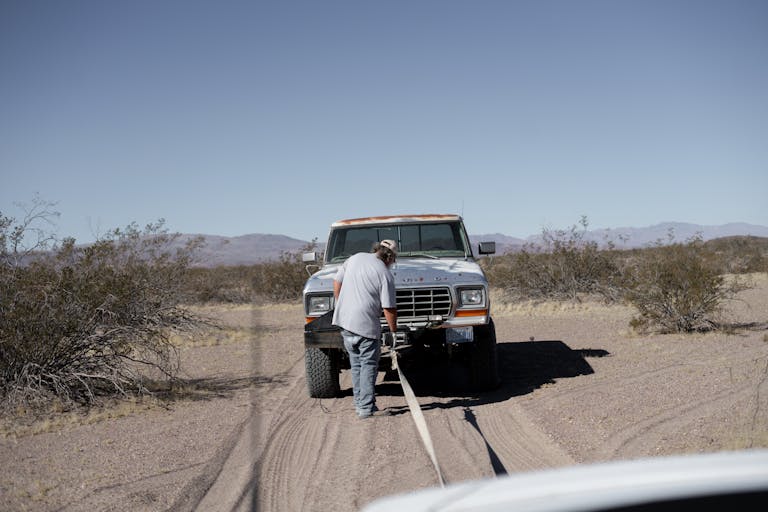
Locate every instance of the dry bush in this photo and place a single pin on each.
(224, 284)
(740, 254)
(675, 287)
(563, 267)
(679, 287)
(80, 322)
(273, 281)
(281, 280)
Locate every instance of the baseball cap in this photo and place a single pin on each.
(389, 244)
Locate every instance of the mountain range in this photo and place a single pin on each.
(257, 248)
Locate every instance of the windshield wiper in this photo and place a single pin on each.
(419, 255)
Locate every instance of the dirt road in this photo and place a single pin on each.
(577, 387)
(317, 455)
(582, 390)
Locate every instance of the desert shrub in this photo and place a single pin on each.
(740, 254)
(281, 280)
(223, 284)
(564, 266)
(272, 281)
(80, 322)
(680, 287)
(675, 287)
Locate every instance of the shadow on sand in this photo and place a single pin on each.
(523, 367)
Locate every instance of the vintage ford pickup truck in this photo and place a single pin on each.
(442, 296)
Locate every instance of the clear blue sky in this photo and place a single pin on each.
(280, 117)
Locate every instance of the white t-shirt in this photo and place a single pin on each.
(367, 287)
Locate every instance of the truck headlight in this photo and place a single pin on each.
(471, 297)
(319, 304)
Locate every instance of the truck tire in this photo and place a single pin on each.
(483, 359)
(322, 372)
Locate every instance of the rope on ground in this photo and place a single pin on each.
(418, 417)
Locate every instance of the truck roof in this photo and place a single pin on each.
(388, 219)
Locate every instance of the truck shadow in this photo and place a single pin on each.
(523, 367)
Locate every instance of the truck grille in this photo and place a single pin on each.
(418, 302)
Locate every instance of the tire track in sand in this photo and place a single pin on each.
(643, 436)
(519, 443)
(319, 456)
(301, 446)
(233, 471)
(312, 454)
(673, 417)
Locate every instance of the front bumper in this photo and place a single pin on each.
(324, 339)
(321, 333)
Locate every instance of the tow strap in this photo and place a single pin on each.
(418, 416)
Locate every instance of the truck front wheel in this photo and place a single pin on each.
(323, 366)
(483, 359)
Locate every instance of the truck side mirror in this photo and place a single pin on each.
(486, 247)
(310, 258)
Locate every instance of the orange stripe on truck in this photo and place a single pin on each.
(471, 312)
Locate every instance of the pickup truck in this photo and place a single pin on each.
(442, 296)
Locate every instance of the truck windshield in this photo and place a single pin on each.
(432, 240)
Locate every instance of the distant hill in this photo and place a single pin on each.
(504, 243)
(629, 238)
(256, 248)
(242, 250)
(679, 231)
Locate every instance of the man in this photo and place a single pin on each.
(363, 286)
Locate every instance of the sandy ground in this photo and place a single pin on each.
(578, 387)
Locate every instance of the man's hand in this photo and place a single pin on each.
(389, 339)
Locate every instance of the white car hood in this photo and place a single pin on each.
(607, 486)
(409, 272)
(423, 271)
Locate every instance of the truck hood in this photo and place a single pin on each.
(410, 272)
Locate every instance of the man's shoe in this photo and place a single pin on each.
(375, 414)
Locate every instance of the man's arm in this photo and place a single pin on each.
(336, 289)
(390, 315)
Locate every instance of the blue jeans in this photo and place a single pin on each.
(364, 356)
